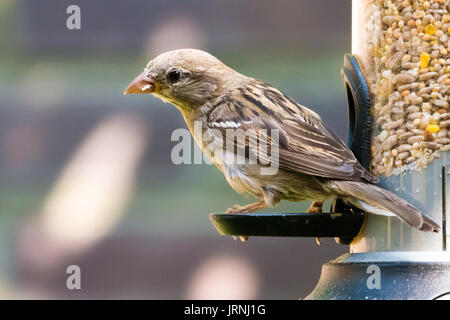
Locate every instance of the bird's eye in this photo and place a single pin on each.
(174, 76)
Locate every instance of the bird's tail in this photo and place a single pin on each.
(373, 199)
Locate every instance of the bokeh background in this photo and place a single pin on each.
(86, 176)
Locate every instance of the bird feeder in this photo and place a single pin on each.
(397, 81)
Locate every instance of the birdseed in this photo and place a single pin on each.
(403, 48)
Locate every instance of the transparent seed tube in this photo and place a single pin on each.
(402, 47)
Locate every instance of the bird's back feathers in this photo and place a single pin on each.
(306, 145)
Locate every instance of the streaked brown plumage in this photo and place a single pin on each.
(313, 163)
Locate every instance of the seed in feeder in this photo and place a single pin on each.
(410, 80)
(438, 102)
(394, 152)
(404, 148)
(426, 37)
(430, 30)
(413, 109)
(445, 123)
(419, 14)
(428, 136)
(389, 143)
(418, 131)
(405, 93)
(443, 141)
(382, 136)
(406, 57)
(426, 107)
(405, 78)
(416, 122)
(428, 18)
(403, 155)
(410, 159)
(432, 128)
(413, 139)
(426, 145)
(442, 133)
(435, 118)
(424, 59)
(386, 74)
(417, 153)
(415, 115)
(424, 121)
(405, 135)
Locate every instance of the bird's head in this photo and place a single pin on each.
(187, 78)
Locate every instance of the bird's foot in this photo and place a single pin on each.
(242, 238)
(246, 209)
(237, 209)
(318, 241)
(315, 207)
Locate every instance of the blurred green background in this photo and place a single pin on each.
(86, 176)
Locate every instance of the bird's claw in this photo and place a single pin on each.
(316, 207)
(318, 242)
(236, 209)
(242, 238)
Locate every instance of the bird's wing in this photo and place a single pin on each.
(305, 144)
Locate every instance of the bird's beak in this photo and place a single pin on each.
(143, 83)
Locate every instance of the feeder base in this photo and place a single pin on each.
(385, 276)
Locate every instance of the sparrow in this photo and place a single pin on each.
(311, 163)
